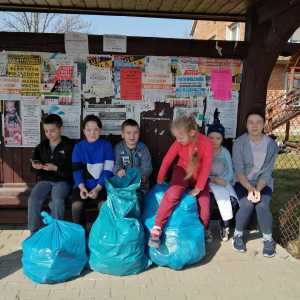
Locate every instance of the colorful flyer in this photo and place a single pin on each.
(156, 84)
(221, 83)
(10, 88)
(208, 64)
(187, 86)
(28, 68)
(131, 84)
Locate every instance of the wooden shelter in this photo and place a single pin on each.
(269, 24)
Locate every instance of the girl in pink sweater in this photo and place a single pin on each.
(195, 152)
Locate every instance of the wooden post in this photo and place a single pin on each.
(287, 131)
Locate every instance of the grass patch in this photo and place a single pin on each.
(286, 176)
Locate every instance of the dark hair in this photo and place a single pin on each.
(256, 112)
(53, 119)
(130, 122)
(91, 118)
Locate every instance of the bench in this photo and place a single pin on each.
(13, 206)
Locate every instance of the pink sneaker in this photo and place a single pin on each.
(154, 240)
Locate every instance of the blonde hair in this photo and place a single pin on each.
(188, 123)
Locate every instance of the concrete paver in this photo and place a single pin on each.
(223, 274)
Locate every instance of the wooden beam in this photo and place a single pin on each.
(269, 9)
(267, 41)
(47, 42)
(68, 9)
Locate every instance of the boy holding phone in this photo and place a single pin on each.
(52, 161)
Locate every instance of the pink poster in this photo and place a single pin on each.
(131, 84)
(221, 83)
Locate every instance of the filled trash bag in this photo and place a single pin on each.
(117, 239)
(56, 253)
(182, 240)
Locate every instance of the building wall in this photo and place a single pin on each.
(205, 30)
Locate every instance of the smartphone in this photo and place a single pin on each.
(88, 195)
(37, 161)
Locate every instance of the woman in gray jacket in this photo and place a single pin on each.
(254, 155)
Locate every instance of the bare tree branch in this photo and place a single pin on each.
(43, 22)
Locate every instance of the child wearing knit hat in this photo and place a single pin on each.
(221, 175)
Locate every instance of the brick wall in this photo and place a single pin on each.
(277, 78)
(205, 30)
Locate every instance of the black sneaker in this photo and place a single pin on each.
(238, 243)
(224, 232)
(269, 248)
(208, 236)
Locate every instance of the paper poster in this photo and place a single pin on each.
(100, 82)
(223, 111)
(157, 84)
(21, 123)
(10, 88)
(196, 111)
(111, 116)
(207, 64)
(77, 46)
(101, 61)
(57, 81)
(71, 119)
(157, 64)
(114, 43)
(125, 62)
(190, 86)
(131, 84)
(28, 68)
(3, 64)
(221, 83)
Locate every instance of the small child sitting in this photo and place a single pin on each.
(131, 153)
(221, 175)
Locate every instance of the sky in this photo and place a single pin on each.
(135, 26)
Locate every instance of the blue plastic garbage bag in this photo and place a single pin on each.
(56, 253)
(182, 240)
(117, 239)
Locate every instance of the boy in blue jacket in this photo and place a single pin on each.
(131, 153)
(93, 160)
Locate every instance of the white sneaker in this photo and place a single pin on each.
(224, 232)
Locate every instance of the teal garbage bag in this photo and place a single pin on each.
(117, 239)
(182, 240)
(56, 253)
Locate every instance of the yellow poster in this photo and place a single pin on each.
(28, 68)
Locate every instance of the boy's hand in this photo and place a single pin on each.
(36, 166)
(49, 167)
(83, 191)
(219, 181)
(121, 173)
(158, 182)
(144, 178)
(194, 192)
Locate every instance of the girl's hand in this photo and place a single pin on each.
(49, 167)
(121, 173)
(83, 191)
(254, 196)
(95, 192)
(36, 166)
(219, 181)
(194, 192)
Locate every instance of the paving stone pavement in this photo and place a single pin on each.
(223, 274)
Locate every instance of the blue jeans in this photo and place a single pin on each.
(58, 191)
(212, 203)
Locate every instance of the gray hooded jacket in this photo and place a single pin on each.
(141, 158)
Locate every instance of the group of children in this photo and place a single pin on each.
(204, 166)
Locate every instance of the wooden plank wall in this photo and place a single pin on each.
(155, 133)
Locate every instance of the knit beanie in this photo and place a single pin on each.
(216, 127)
